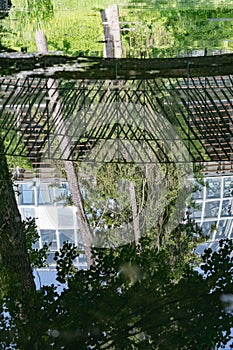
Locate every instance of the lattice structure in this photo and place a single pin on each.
(158, 120)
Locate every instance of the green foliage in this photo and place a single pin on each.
(26, 16)
(31, 14)
(71, 27)
(37, 256)
(107, 199)
(13, 143)
(137, 297)
(132, 297)
(166, 30)
(157, 31)
(65, 261)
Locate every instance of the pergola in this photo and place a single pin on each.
(125, 110)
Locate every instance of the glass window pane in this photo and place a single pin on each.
(212, 209)
(36, 245)
(214, 246)
(198, 192)
(62, 194)
(223, 229)
(228, 187)
(209, 228)
(231, 234)
(66, 235)
(50, 259)
(201, 248)
(213, 188)
(196, 213)
(26, 196)
(44, 194)
(80, 242)
(82, 259)
(27, 213)
(49, 236)
(226, 208)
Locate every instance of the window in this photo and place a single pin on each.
(201, 248)
(213, 188)
(50, 259)
(26, 196)
(223, 229)
(226, 208)
(49, 236)
(66, 235)
(195, 213)
(231, 234)
(209, 228)
(45, 194)
(228, 187)
(198, 192)
(62, 194)
(82, 259)
(212, 209)
(80, 243)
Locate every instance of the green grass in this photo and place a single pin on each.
(76, 26)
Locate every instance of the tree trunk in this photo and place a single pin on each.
(64, 142)
(133, 200)
(13, 250)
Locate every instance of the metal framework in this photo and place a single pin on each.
(163, 120)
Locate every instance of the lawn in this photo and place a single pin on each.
(75, 27)
(162, 28)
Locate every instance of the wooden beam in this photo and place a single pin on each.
(112, 34)
(57, 66)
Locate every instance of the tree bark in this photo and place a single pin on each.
(13, 250)
(64, 142)
(133, 200)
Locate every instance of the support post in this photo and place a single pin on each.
(112, 35)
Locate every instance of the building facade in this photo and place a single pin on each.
(56, 221)
(213, 209)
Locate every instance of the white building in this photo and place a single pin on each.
(56, 221)
(214, 210)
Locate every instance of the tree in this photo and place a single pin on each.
(177, 29)
(133, 297)
(139, 297)
(19, 306)
(13, 251)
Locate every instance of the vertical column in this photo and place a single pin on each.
(112, 36)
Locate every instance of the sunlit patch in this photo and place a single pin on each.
(227, 300)
(131, 272)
